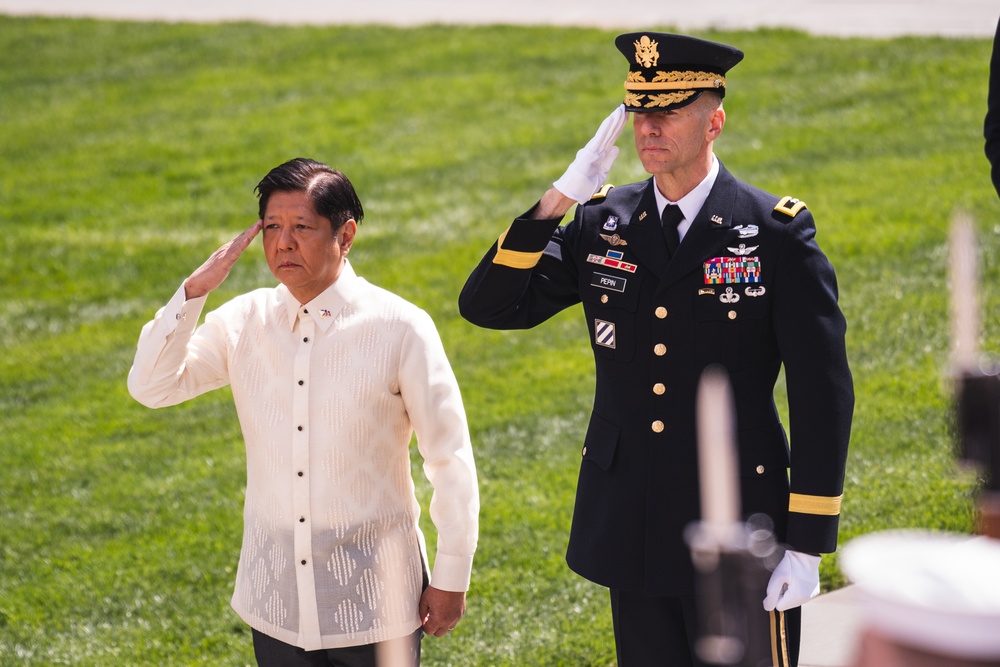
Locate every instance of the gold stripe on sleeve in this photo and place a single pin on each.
(824, 505)
(515, 259)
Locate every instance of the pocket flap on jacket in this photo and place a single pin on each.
(601, 442)
(763, 451)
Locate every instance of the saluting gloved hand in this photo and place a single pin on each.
(593, 162)
(794, 582)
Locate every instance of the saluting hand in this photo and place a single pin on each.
(216, 268)
(589, 170)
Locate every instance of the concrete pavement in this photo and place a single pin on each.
(867, 18)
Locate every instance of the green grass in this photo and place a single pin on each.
(129, 153)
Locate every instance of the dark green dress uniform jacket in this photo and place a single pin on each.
(655, 324)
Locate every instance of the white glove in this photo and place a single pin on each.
(593, 162)
(794, 582)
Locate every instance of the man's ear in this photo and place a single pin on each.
(345, 235)
(717, 120)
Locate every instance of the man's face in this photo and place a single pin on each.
(679, 140)
(302, 250)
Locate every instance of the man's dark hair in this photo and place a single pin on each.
(331, 192)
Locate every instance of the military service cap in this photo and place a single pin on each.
(671, 71)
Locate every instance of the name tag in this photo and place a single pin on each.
(605, 281)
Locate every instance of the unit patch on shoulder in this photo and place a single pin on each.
(790, 206)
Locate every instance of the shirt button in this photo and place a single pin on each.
(301, 473)
(604, 298)
(299, 427)
(306, 339)
(657, 426)
(760, 470)
(303, 562)
(301, 382)
(302, 519)
(661, 312)
(659, 389)
(660, 349)
(732, 314)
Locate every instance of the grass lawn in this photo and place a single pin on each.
(128, 153)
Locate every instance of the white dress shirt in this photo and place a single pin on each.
(691, 203)
(328, 395)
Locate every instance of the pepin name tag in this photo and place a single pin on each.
(613, 283)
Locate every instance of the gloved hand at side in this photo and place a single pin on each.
(794, 582)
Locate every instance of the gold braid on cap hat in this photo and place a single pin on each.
(675, 81)
(681, 85)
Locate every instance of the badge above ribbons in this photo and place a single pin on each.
(729, 270)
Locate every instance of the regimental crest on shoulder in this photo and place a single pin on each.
(790, 206)
(645, 52)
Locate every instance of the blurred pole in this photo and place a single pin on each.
(976, 378)
(395, 652)
(733, 559)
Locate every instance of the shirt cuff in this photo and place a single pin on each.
(452, 573)
(183, 313)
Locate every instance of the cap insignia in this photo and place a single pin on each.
(645, 52)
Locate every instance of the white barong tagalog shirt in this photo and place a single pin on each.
(328, 396)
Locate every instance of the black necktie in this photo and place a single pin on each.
(672, 217)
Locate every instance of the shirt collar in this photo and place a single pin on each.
(691, 203)
(325, 307)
